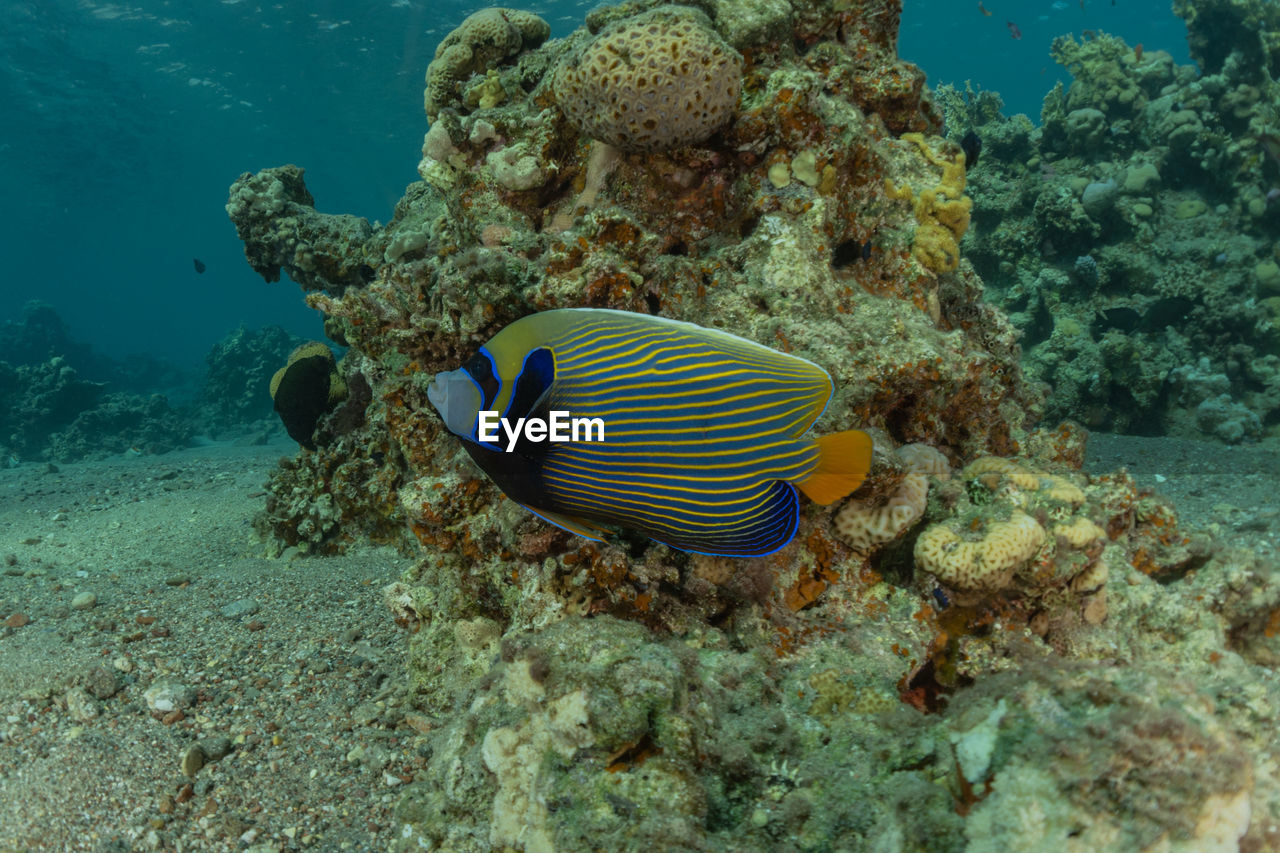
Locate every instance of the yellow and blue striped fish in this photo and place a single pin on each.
(703, 430)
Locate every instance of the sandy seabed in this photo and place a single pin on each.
(202, 697)
(271, 674)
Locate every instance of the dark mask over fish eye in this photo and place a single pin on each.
(533, 385)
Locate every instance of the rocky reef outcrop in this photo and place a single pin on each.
(1134, 238)
(972, 652)
(61, 402)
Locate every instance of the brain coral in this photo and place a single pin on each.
(652, 82)
(864, 525)
(1018, 529)
(985, 563)
(479, 43)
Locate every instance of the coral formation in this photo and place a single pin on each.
(239, 375)
(1130, 238)
(652, 82)
(942, 212)
(864, 524)
(50, 411)
(276, 218)
(864, 687)
(986, 563)
(485, 39)
(1016, 528)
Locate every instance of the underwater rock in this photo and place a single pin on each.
(276, 218)
(1127, 780)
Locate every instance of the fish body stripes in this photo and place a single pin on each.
(703, 430)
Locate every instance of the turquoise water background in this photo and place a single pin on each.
(125, 124)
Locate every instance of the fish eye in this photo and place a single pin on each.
(480, 368)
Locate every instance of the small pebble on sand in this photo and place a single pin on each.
(192, 761)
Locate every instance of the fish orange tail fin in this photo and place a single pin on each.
(844, 458)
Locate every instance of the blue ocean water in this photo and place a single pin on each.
(124, 124)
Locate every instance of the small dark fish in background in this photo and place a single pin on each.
(1014, 32)
(983, 9)
(972, 147)
(850, 251)
(199, 265)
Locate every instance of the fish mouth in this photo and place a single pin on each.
(457, 399)
(437, 394)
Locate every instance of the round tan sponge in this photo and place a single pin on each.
(653, 82)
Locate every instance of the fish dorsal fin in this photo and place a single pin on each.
(844, 458)
(582, 527)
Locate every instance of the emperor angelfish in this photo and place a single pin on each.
(704, 431)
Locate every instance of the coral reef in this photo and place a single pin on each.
(50, 411)
(1131, 239)
(239, 373)
(40, 335)
(942, 662)
(47, 412)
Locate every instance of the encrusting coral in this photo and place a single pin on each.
(942, 212)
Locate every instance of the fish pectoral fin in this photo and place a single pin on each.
(844, 458)
(581, 527)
